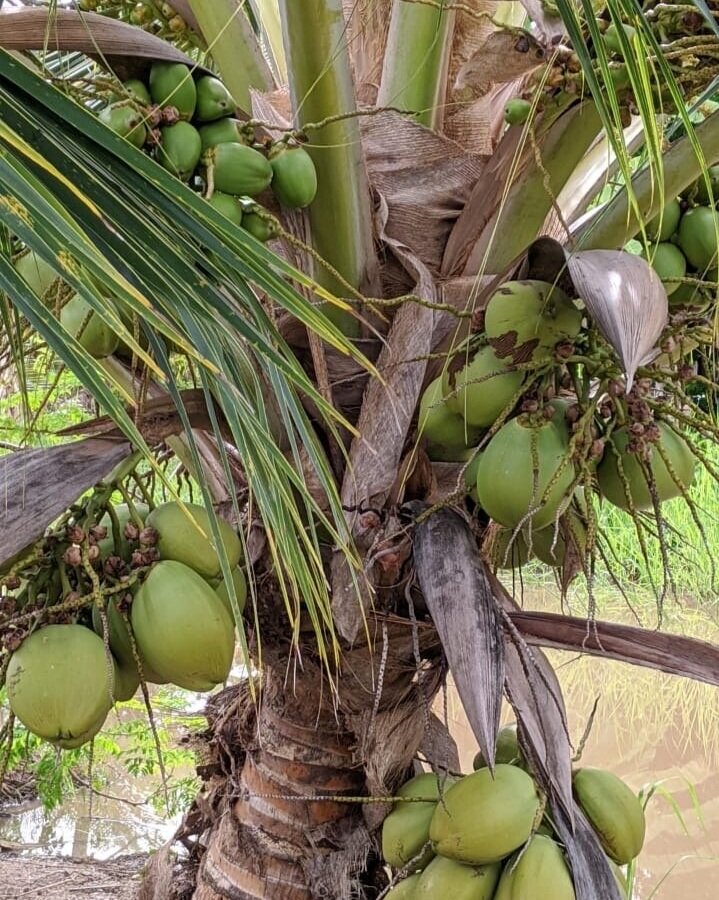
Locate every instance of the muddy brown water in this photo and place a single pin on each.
(649, 728)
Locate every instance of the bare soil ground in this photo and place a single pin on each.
(64, 878)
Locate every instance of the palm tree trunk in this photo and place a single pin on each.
(286, 766)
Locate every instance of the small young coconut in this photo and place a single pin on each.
(516, 112)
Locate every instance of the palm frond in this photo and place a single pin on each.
(127, 236)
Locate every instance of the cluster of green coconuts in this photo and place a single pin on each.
(187, 124)
(524, 477)
(684, 243)
(483, 836)
(177, 620)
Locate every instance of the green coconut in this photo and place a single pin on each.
(550, 544)
(258, 226)
(120, 643)
(57, 682)
(127, 681)
(539, 873)
(85, 324)
(182, 628)
(484, 818)
(223, 131)
(504, 887)
(517, 111)
(620, 77)
(127, 122)
(138, 90)
(186, 536)
(663, 226)
(702, 194)
(238, 169)
(180, 149)
(294, 179)
(681, 461)
(455, 881)
(228, 205)
(446, 434)
(507, 749)
(689, 295)
(404, 890)
(406, 829)
(74, 742)
(507, 483)
(505, 550)
(669, 263)
(612, 37)
(122, 513)
(470, 476)
(524, 320)
(614, 812)
(240, 583)
(483, 388)
(214, 101)
(39, 275)
(171, 84)
(698, 237)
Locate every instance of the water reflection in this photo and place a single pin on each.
(104, 830)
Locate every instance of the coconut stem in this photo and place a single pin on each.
(318, 64)
(416, 61)
(619, 222)
(234, 47)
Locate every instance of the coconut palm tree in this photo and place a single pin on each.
(309, 356)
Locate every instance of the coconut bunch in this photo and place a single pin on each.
(161, 19)
(186, 123)
(487, 835)
(112, 598)
(537, 412)
(683, 245)
(185, 120)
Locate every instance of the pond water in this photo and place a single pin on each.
(650, 728)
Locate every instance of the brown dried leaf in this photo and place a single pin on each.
(591, 873)
(670, 653)
(471, 30)
(626, 299)
(534, 693)
(38, 485)
(479, 126)
(367, 29)
(158, 419)
(127, 49)
(387, 411)
(424, 179)
(482, 203)
(505, 56)
(461, 602)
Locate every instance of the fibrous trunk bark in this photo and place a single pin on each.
(283, 769)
